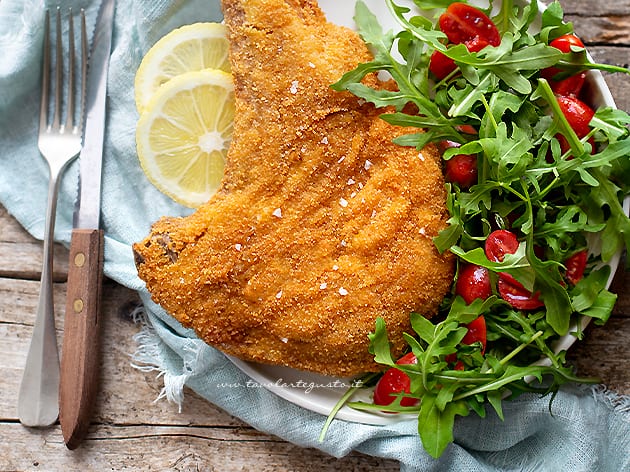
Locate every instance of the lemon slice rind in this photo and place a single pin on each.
(183, 136)
(189, 48)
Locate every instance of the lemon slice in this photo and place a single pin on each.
(189, 48)
(183, 136)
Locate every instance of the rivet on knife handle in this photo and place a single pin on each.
(80, 355)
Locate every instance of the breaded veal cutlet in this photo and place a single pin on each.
(321, 223)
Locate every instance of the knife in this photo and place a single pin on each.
(80, 350)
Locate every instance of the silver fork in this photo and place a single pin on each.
(59, 143)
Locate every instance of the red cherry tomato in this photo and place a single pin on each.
(467, 129)
(473, 282)
(477, 44)
(513, 292)
(461, 169)
(571, 86)
(476, 333)
(441, 65)
(499, 243)
(461, 23)
(409, 358)
(395, 381)
(578, 114)
(575, 266)
(566, 41)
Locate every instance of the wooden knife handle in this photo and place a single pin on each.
(80, 356)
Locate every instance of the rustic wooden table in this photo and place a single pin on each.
(130, 430)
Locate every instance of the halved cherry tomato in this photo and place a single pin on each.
(473, 282)
(467, 129)
(499, 243)
(566, 42)
(461, 169)
(476, 333)
(575, 266)
(395, 381)
(441, 65)
(578, 114)
(461, 23)
(409, 358)
(513, 292)
(467, 25)
(571, 86)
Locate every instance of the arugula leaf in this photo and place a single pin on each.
(379, 344)
(435, 426)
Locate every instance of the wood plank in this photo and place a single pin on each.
(621, 287)
(157, 448)
(21, 254)
(586, 8)
(603, 354)
(116, 401)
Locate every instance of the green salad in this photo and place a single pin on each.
(536, 182)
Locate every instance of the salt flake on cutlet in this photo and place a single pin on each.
(277, 213)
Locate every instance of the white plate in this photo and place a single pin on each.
(320, 393)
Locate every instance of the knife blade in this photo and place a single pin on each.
(80, 350)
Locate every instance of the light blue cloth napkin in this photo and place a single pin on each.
(588, 431)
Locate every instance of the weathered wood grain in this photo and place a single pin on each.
(174, 448)
(593, 8)
(21, 254)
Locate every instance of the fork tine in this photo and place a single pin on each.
(58, 73)
(70, 91)
(43, 106)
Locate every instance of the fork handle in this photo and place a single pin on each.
(80, 352)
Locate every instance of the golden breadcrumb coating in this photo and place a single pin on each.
(321, 224)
